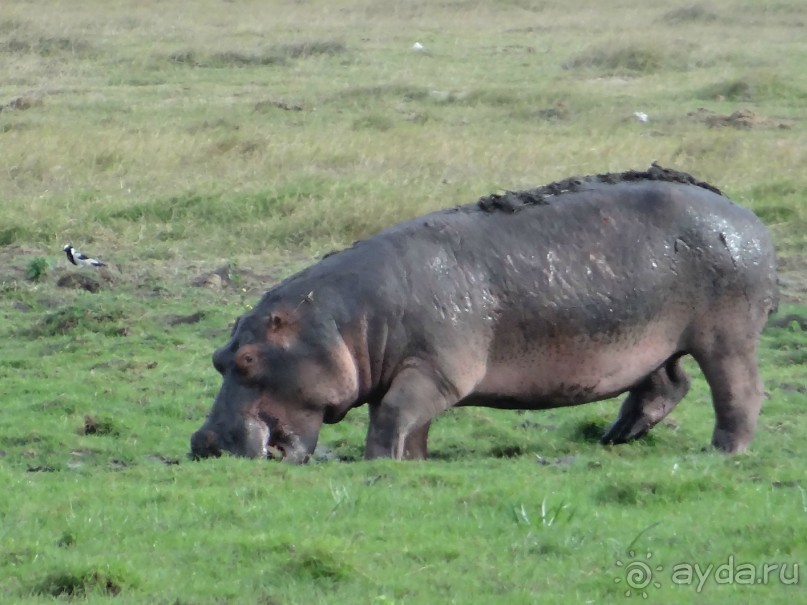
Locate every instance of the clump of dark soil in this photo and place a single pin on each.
(744, 119)
(787, 320)
(589, 431)
(319, 564)
(79, 585)
(109, 321)
(277, 104)
(21, 103)
(230, 278)
(557, 112)
(187, 319)
(98, 426)
(506, 451)
(79, 281)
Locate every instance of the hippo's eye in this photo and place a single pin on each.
(246, 360)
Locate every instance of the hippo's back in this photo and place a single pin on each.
(600, 253)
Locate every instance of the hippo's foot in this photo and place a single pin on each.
(416, 444)
(736, 396)
(648, 403)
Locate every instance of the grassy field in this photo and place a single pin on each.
(207, 149)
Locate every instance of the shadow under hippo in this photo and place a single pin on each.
(570, 293)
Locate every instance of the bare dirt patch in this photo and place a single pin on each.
(79, 281)
(21, 103)
(232, 278)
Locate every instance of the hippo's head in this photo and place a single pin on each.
(285, 370)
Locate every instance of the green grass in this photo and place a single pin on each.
(178, 139)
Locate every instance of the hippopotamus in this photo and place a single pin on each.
(573, 292)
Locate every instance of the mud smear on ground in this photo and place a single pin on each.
(167, 460)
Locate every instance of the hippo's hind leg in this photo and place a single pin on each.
(736, 395)
(649, 402)
(727, 355)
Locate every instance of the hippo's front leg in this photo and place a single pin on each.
(416, 444)
(399, 423)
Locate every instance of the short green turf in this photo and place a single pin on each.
(207, 149)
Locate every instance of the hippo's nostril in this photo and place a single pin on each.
(218, 361)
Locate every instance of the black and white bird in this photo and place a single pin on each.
(80, 259)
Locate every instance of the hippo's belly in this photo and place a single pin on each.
(574, 370)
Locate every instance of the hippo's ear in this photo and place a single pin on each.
(281, 327)
(274, 322)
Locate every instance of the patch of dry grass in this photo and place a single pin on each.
(244, 99)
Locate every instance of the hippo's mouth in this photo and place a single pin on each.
(283, 444)
(257, 438)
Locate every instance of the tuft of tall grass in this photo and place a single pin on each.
(279, 54)
(686, 15)
(754, 87)
(626, 58)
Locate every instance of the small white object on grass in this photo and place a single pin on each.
(418, 47)
(641, 116)
(80, 259)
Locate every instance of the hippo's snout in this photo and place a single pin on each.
(204, 444)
